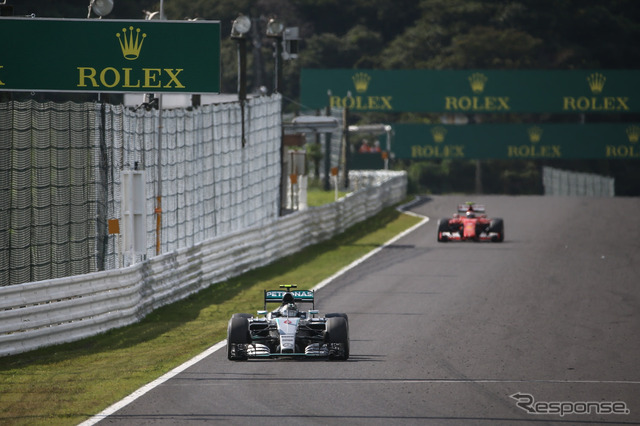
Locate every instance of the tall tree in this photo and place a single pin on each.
(541, 34)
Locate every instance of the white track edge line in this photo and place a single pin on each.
(152, 385)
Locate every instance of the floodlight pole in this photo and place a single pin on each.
(242, 81)
(278, 65)
(274, 31)
(327, 148)
(345, 143)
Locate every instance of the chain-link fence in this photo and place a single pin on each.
(61, 180)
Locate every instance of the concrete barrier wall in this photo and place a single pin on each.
(44, 313)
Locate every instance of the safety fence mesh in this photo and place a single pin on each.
(564, 183)
(48, 192)
(61, 180)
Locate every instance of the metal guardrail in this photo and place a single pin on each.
(44, 313)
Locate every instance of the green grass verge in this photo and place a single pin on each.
(319, 197)
(68, 383)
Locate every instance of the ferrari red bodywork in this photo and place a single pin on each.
(470, 224)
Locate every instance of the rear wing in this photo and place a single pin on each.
(478, 208)
(299, 296)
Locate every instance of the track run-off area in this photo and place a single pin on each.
(540, 328)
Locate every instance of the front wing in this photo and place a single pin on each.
(457, 236)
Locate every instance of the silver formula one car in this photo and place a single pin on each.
(288, 331)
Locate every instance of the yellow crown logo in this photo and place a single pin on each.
(438, 134)
(633, 133)
(535, 134)
(131, 46)
(361, 81)
(477, 82)
(596, 82)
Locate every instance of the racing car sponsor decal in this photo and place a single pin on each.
(288, 341)
(298, 294)
(287, 325)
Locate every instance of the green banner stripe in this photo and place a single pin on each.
(473, 91)
(516, 141)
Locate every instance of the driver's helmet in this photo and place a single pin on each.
(289, 310)
(471, 214)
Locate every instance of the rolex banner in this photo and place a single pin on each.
(516, 141)
(472, 91)
(99, 55)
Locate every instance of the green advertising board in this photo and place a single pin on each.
(472, 91)
(516, 141)
(99, 55)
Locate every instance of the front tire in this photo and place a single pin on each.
(341, 315)
(443, 226)
(337, 337)
(497, 226)
(237, 338)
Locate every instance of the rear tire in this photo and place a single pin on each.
(337, 332)
(237, 334)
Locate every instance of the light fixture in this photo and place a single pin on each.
(241, 26)
(100, 7)
(151, 16)
(274, 28)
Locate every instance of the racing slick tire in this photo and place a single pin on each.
(334, 315)
(237, 334)
(443, 226)
(497, 226)
(337, 331)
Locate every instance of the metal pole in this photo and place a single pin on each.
(158, 210)
(276, 89)
(346, 147)
(327, 148)
(278, 65)
(242, 80)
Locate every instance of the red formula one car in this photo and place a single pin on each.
(470, 224)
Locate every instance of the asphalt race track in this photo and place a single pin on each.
(531, 330)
